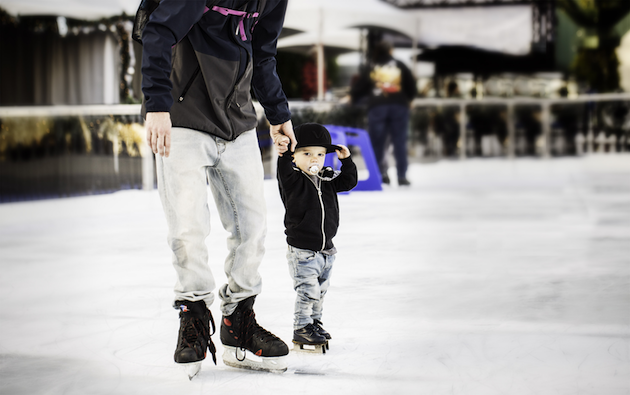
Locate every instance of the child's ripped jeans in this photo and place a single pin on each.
(310, 271)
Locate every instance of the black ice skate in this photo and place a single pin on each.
(321, 330)
(194, 336)
(309, 339)
(248, 345)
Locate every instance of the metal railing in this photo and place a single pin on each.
(511, 103)
(50, 151)
(119, 115)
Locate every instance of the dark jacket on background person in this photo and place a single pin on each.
(197, 66)
(365, 90)
(312, 210)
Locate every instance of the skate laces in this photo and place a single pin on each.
(190, 332)
(250, 329)
(211, 347)
(253, 329)
(194, 327)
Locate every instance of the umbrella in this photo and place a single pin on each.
(335, 15)
(337, 42)
(327, 23)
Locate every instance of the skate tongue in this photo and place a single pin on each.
(197, 308)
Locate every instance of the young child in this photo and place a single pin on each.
(309, 193)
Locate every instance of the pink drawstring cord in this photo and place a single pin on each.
(243, 14)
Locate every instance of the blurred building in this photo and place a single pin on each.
(571, 42)
(64, 52)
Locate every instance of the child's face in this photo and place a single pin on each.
(305, 157)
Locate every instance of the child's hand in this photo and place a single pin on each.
(343, 153)
(282, 144)
(283, 137)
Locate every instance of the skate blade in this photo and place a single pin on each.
(191, 368)
(311, 348)
(242, 359)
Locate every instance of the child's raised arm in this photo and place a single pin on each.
(343, 153)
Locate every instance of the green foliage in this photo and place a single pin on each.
(597, 14)
(599, 68)
(596, 62)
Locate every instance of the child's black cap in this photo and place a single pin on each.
(314, 135)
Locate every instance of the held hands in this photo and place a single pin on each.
(158, 126)
(283, 137)
(343, 153)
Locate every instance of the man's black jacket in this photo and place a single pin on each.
(196, 66)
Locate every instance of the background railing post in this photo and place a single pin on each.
(511, 129)
(462, 130)
(546, 129)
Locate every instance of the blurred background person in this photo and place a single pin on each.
(389, 87)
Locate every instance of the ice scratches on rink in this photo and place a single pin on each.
(306, 372)
(38, 375)
(25, 374)
(484, 277)
(311, 364)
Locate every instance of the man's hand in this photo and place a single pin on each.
(343, 153)
(283, 137)
(158, 126)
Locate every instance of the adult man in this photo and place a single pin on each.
(388, 87)
(198, 65)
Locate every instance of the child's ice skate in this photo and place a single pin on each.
(248, 345)
(309, 339)
(194, 336)
(320, 329)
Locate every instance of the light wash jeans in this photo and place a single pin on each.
(310, 271)
(234, 172)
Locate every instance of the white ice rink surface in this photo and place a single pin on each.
(484, 277)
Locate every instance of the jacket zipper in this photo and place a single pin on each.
(321, 203)
(232, 95)
(189, 84)
(228, 102)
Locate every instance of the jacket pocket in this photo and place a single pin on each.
(189, 84)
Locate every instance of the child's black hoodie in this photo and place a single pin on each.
(312, 210)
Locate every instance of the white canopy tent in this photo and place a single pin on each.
(334, 15)
(77, 9)
(343, 40)
(327, 22)
(505, 29)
